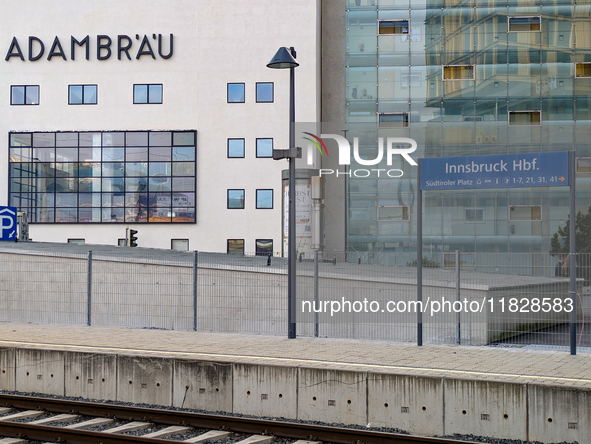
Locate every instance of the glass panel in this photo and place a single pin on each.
(44, 214)
(88, 185)
(32, 95)
(66, 199)
(524, 24)
(113, 154)
(155, 93)
(88, 169)
(160, 184)
(160, 154)
(113, 199)
(114, 139)
(75, 94)
(136, 184)
(20, 154)
(113, 169)
(393, 27)
(66, 139)
(264, 148)
(65, 170)
(89, 215)
(236, 199)
(44, 139)
(135, 169)
(183, 168)
(235, 246)
(160, 138)
(136, 139)
(183, 153)
(43, 154)
(66, 215)
(66, 154)
(235, 147)
(139, 154)
(90, 139)
(136, 200)
(183, 214)
(264, 199)
(160, 168)
(160, 200)
(89, 199)
(458, 72)
(113, 184)
(183, 138)
(20, 139)
(112, 215)
(394, 120)
(524, 117)
(17, 95)
(236, 92)
(136, 215)
(90, 96)
(264, 92)
(183, 184)
(140, 93)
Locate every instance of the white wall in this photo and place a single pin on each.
(214, 43)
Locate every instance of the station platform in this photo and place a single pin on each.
(515, 393)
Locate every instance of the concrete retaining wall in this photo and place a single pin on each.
(420, 405)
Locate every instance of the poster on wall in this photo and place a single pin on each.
(303, 216)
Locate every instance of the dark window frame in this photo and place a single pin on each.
(228, 92)
(25, 95)
(396, 24)
(530, 112)
(243, 148)
(228, 199)
(83, 88)
(148, 102)
(256, 92)
(257, 198)
(518, 17)
(262, 253)
(256, 147)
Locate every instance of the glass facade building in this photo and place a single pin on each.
(465, 78)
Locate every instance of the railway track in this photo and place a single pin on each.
(56, 420)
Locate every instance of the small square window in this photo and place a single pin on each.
(525, 24)
(235, 246)
(395, 27)
(458, 72)
(393, 120)
(583, 70)
(264, 92)
(236, 199)
(235, 92)
(147, 94)
(517, 118)
(264, 199)
(24, 95)
(82, 94)
(235, 148)
(264, 148)
(264, 247)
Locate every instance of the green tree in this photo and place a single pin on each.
(560, 241)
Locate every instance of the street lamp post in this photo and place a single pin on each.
(285, 58)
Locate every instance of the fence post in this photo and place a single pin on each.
(89, 289)
(315, 293)
(195, 262)
(458, 330)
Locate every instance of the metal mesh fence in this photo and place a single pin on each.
(498, 299)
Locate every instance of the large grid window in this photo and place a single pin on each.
(24, 95)
(104, 177)
(147, 94)
(82, 94)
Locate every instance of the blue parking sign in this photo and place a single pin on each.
(7, 224)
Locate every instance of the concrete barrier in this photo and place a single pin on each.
(7, 369)
(410, 403)
(202, 385)
(264, 390)
(332, 396)
(92, 376)
(559, 414)
(485, 409)
(144, 380)
(40, 371)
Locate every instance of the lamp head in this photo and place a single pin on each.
(283, 59)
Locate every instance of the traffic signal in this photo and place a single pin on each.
(131, 238)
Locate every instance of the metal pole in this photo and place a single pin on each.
(316, 302)
(573, 257)
(419, 260)
(458, 334)
(195, 262)
(291, 248)
(89, 289)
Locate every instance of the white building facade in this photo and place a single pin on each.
(157, 115)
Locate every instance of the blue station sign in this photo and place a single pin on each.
(495, 171)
